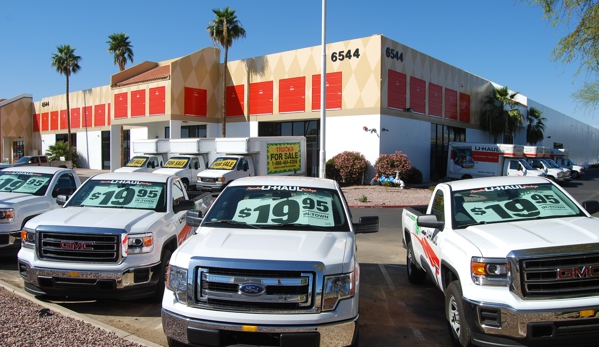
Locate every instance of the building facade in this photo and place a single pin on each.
(381, 97)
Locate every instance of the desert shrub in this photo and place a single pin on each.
(331, 171)
(413, 176)
(351, 166)
(388, 164)
(363, 198)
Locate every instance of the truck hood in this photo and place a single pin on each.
(497, 240)
(169, 171)
(212, 173)
(131, 169)
(12, 199)
(128, 219)
(335, 250)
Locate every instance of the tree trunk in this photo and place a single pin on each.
(69, 156)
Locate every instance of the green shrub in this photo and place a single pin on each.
(412, 176)
(351, 166)
(331, 172)
(363, 198)
(389, 164)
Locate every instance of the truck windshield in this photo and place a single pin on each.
(176, 163)
(280, 207)
(24, 182)
(121, 194)
(137, 162)
(511, 203)
(552, 163)
(223, 163)
(23, 160)
(526, 165)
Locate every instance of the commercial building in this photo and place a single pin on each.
(381, 97)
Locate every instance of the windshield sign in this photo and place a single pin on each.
(223, 164)
(121, 194)
(137, 162)
(268, 206)
(511, 203)
(176, 163)
(24, 182)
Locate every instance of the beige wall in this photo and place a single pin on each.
(16, 124)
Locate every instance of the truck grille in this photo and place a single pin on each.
(251, 289)
(560, 276)
(100, 248)
(207, 179)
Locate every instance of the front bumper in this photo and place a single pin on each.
(501, 325)
(208, 333)
(209, 188)
(131, 283)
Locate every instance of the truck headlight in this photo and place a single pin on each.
(176, 280)
(7, 215)
(336, 288)
(560, 174)
(490, 271)
(138, 243)
(28, 238)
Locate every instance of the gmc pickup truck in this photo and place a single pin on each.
(272, 263)
(112, 239)
(516, 257)
(26, 192)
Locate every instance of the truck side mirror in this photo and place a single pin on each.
(152, 165)
(430, 221)
(591, 206)
(62, 191)
(196, 165)
(193, 218)
(246, 166)
(367, 225)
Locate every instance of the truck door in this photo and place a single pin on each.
(194, 168)
(429, 240)
(513, 168)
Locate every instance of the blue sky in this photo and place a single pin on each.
(504, 41)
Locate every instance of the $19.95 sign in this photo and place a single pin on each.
(283, 157)
(302, 209)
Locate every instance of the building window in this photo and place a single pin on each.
(18, 150)
(441, 136)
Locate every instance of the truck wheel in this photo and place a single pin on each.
(575, 175)
(164, 261)
(174, 343)
(415, 274)
(459, 330)
(185, 184)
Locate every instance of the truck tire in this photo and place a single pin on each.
(185, 184)
(415, 274)
(459, 328)
(575, 175)
(164, 261)
(174, 343)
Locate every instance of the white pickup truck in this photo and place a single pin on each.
(112, 239)
(272, 263)
(517, 259)
(26, 192)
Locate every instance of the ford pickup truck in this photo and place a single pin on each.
(113, 238)
(517, 259)
(272, 263)
(26, 192)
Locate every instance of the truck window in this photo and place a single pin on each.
(243, 164)
(178, 194)
(34, 160)
(536, 164)
(66, 181)
(514, 165)
(438, 208)
(43, 159)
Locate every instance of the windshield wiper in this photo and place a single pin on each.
(308, 227)
(233, 222)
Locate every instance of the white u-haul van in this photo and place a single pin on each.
(471, 160)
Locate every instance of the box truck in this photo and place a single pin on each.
(471, 160)
(187, 158)
(149, 155)
(560, 156)
(536, 156)
(253, 156)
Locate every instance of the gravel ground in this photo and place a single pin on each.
(380, 196)
(25, 323)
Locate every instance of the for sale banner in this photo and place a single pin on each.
(283, 157)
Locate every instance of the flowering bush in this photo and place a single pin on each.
(388, 164)
(351, 166)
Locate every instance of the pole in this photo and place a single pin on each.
(323, 99)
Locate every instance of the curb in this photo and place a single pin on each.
(68, 313)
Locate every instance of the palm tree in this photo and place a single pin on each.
(66, 63)
(536, 126)
(60, 150)
(223, 30)
(120, 47)
(501, 115)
